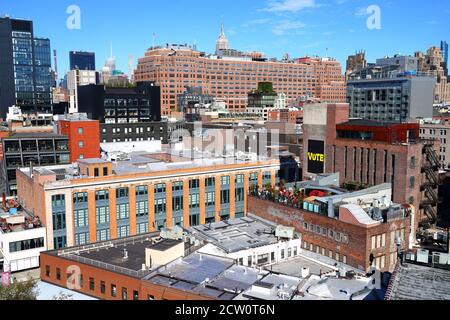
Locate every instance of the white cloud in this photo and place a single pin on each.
(286, 26)
(361, 11)
(256, 22)
(289, 5)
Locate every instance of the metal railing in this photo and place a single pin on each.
(109, 267)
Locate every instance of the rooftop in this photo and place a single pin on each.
(236, 235)
(146, 163)
(370, 123)
(416, 282)
(14, 218)
(36, 135)
(125, 256)
(331, 288)
(272, 287)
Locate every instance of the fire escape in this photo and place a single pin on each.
(430, 184)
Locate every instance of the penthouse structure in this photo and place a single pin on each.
(230, 75)
(96, 200)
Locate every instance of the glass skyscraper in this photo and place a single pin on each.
(444, 49)
(25, 68)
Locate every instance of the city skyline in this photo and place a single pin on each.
(297, 27)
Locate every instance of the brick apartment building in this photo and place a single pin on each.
(347, 234)
(369, 153)
(84, 136)
(230, 79)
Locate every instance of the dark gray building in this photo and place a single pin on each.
(80, 60)
(382, 93)
(21, 149)
(25, 68)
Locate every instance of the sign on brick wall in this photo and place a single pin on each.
(316, 156)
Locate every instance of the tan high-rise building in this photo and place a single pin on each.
(433, 63)
(231, 75)
(356, 62)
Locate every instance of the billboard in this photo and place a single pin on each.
(316, 156)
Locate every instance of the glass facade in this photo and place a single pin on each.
(32, 72)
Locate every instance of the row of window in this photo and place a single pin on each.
(103, 195)
(78, 281)
(322, 251)
(324, 232)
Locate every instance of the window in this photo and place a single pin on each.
(225, 196)
(210, 199)
(177, 186)
(142, 191)
(91, 284)
(412, 182)
(102, 195)
(79, 198)
(103, 287)
(142, 208)
(102, 215)
(150, 297)
(122, 193)
(160, 206)
(194, 201)
(123, 231)
(59, 221)
(113, 290)
(58, 274)
(240, 179)
(194, 184)
(282, 253)
(210, 182)
(225, 181)
(47, 271)
(135, 295)
(177, 203)
(123, 211)
(239, 194)
(81, 144)
(105, 171)
(80, 131)
(160, 188)
(26, 245)
(124, 294)
(58, 200)
(81, 281)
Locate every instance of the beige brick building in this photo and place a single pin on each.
(231, 78)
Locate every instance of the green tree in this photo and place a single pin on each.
(26, 290)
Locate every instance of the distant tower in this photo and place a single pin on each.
(56, 68)
(222, 41)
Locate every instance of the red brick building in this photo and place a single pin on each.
(342, 238)
(84, 137)
(370, 153)
(286, 115)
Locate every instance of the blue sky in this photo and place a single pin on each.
(275, 27)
